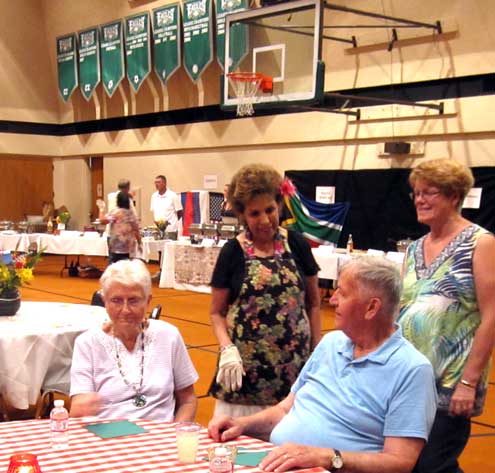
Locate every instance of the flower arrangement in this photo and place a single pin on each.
(15, 271)
(161, 225)
(63, 217)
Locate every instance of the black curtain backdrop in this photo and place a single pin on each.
(381, 210)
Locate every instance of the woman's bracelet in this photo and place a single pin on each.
(226, 346)
(468, 384)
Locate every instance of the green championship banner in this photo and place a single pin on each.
(67, 65)
(166, 40)
(198, 49)
(137, 48)
(238, 33)
(89, 61)
(112, 55)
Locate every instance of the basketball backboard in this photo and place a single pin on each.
(281, 41)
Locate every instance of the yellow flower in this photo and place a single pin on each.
(25, 275)
(4, 273)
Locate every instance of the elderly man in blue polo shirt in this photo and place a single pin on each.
(366, 399)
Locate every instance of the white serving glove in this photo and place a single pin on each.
(230, 369)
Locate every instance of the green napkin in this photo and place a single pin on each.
(108, 430)
(250, 458)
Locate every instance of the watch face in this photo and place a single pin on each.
(337, 462)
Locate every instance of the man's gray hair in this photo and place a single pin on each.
(128, 273)
(381, 277)
(124, 184)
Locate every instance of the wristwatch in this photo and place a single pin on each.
(337, 462)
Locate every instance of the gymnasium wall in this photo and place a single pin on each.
(185, 153)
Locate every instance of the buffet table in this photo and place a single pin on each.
(73, 243)
(36, 347)
(151, 451)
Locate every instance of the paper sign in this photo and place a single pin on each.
(325, 194)
(210, 181)
(108, 430)
(473, 199)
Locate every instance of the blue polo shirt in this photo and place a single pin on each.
(353, 404)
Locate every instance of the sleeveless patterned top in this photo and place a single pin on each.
(439, 311)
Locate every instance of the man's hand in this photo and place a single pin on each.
(230, 369)
(223, 428)
(462, 401)
(290, 456)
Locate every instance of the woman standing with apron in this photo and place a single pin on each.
(265, 300)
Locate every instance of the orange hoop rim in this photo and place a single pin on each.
(246, 76)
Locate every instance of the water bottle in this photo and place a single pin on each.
(59, 425)
(221, 461)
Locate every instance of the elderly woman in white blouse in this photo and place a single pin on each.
(132, 367)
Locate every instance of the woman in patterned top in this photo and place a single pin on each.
(265, 300)
(124, 229)
(448, 306)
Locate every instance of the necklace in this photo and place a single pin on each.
(139, 400)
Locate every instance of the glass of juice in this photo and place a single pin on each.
(187, 437)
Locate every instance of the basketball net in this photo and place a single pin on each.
(245, 86)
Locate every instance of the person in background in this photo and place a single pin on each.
(132, 367)
(448, 306)
(124, 186)
(166, 204)
(365, 400)
(123, 229)
(227, 212)
(265, 308)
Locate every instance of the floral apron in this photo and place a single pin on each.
(269, 326)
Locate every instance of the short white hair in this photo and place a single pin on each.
(381, 277)
(128, 273)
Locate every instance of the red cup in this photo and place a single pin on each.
(23, 463)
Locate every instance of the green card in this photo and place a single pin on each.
(250, 458)
(108, 430)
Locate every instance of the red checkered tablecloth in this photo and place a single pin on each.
(154, 451)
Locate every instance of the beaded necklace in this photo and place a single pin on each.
(278, 245)
(139, 400)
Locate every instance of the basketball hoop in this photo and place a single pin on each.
(246, 85)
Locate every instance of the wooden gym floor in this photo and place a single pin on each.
(189, 312)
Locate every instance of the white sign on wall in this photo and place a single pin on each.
(210, 181)
(325, 194)
(473, 199)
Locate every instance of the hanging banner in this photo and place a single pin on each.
(198, 50)
(137, 48)
(166, 40)
(112, 55)
(67, 65)
(238, 33)
(89, 61)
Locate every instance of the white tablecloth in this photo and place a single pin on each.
(36, 347)
(330, 263)
(73, 243)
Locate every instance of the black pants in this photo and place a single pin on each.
(447, 440)
(114, 257)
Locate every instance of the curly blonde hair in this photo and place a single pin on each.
(253, 180)
(450, 176)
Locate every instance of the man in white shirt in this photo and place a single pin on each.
(124, 185)
(166, 204)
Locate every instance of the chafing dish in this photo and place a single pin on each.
(228, 231)
(6, 225)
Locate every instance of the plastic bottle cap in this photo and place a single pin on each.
(221, 451)
(59, 403)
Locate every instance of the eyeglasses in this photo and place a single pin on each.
(428, 195)
(133, 302)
